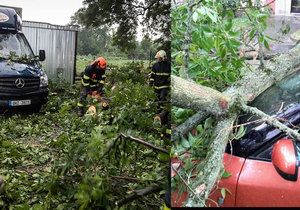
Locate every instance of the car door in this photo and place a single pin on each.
(261, 185)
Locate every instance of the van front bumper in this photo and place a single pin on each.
(38, 97)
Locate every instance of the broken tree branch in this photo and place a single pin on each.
(214, 157)
(139, 193)
(257, 81)
(140, 141)
(190, 123)
(111, 144)
(188, 186)
(249, 56)
(187, 94)
(271, 120)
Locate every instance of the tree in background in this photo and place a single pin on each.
(100, 40)
(153, 15)
(90, 40)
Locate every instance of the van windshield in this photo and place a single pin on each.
(14, 46)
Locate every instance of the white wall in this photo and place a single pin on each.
(283, 7)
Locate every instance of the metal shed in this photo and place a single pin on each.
(60, 45)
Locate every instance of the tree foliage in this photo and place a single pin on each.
(93, 40)
(57, 160)
(216, 40)
(153, 15)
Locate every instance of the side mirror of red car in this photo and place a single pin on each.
(284, 159)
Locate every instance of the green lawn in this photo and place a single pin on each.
(83, 61)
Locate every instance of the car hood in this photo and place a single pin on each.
(8, 69)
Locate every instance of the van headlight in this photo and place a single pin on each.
(43, 80)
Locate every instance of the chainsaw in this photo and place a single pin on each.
(96, 99)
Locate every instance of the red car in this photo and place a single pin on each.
(264, 163)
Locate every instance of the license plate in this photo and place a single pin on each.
(20, 103)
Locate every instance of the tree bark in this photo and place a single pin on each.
(213, 161)
(187, 94)
(185, 127)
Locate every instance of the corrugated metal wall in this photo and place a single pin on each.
(59, 43)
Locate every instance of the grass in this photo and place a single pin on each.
(83, 60)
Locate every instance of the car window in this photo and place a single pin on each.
(14, 43)
(281, 95)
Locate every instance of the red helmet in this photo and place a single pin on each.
(101, 62)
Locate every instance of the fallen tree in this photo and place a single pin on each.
(211, 57)
(226, 106)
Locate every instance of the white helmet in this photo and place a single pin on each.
(161, 54)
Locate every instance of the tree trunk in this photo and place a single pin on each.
(189, 95)
(214, 159)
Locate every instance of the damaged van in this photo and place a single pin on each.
(23, 83)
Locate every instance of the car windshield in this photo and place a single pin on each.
(281, 95)
(284, 98)
(14, 46)
(278, 97)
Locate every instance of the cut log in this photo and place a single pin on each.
(190, 95)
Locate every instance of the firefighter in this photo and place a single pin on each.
(92, 80)
(160, 79)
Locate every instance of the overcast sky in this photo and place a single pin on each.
(50, 11)
(56, 12)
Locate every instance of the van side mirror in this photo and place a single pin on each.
(284, 159)
(42, 55)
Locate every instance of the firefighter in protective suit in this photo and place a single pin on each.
(160, 79)
(92, 79)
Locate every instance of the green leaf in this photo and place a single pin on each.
(252, 33)
(212, 15)
(266, 44)
(185, 143)
(261, 38)
(223, 193)
(228, 25)
(202, 11)
(208, 123)
(241, 132)
(226, 174)
(192, 139)
(195, 16)
(164, 157)
(200, 128)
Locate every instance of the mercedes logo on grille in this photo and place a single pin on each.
(20, 83)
